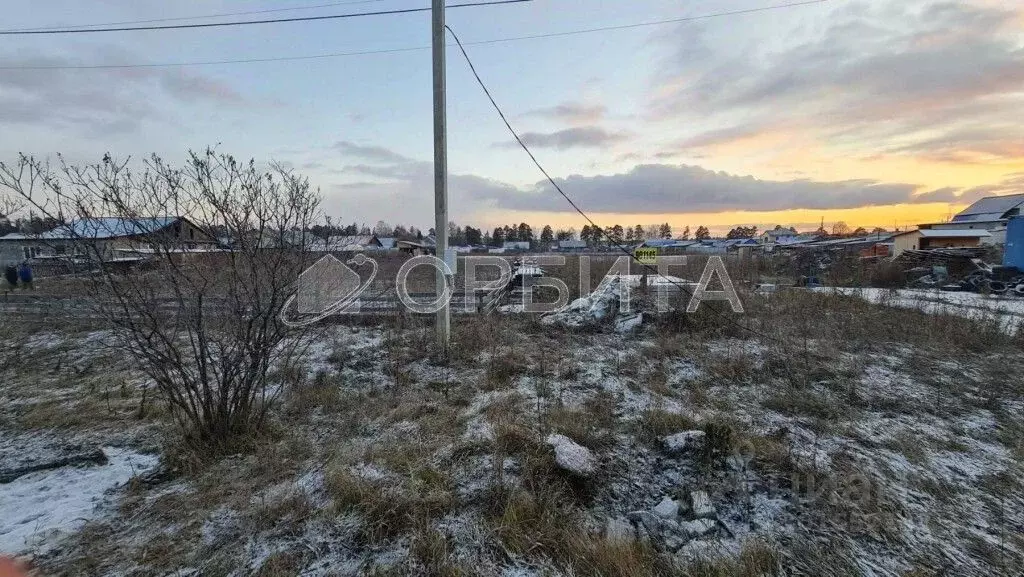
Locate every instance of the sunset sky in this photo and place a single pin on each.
(874, 112)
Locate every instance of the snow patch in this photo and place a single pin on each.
(39, 509)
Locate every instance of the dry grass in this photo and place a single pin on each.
(592, 426)
(288, 512)
(756, 559)
(324, 393)
(388, 510)
(655, 423)
(853, 324)
(281, 565)
(806, 402)
(505, 367)
(433, 552)
(540, 526)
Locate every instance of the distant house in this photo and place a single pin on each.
(514, 245)
(778, 235)
(926, 239)
(745, 246)
(666, 243)
(991, 214)
(387, 242)
(415, 248)
(106, 238)
(347, 243)
(268, 238)
(571, 245)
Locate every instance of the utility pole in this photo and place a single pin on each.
(440, 167)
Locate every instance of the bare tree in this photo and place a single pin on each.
(201, 321)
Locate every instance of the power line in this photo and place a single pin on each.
(412, 48)
(246, 22)
(214, 62)
(205, 17)
(576, 207)
(651, 23)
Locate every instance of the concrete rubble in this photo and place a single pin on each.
(671, 524)
(701, 505)
(604, 304)
(685, 441)
(667, 508)
(572, 457)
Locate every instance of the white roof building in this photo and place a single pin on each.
(991, 214)
(991, 209)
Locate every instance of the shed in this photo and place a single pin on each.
(1014, 255)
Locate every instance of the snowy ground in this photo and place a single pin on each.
(836, 452)
(38, 509)
(1007, 310)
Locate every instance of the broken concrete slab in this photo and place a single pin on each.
(701, 504)
(646, 520)
(679, 442)
(668, 508)
(698, 527)
(572, 457)
(625, 323)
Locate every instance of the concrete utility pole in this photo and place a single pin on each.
(440, 167)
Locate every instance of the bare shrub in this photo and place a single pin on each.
(203, 326)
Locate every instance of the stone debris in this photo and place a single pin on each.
(572, 456)
(625, 323)
(593, 308)
(647, 521)
(619, 529)
(671, 524)
(697, 528)
(605, 302)
(674, 541)
(684, 441)
(701, 503)
(667, 509)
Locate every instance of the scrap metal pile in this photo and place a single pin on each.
(961, 273)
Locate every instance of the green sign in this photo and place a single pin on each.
(646, 255)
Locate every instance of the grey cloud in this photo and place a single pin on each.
(579, 137)
(187, 86)
(573, 112)
(97, 102)
(405, 170)
(408, 192)
(717, 136)
(998, 141)
(369, 153)
(1012, 184)
(945, 194)
(875, 71)
(658, 188)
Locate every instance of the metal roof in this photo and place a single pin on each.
(980, 217)
(780, 232)
(996, 206)
(956, 233)
(666, 243)
(101, 228)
